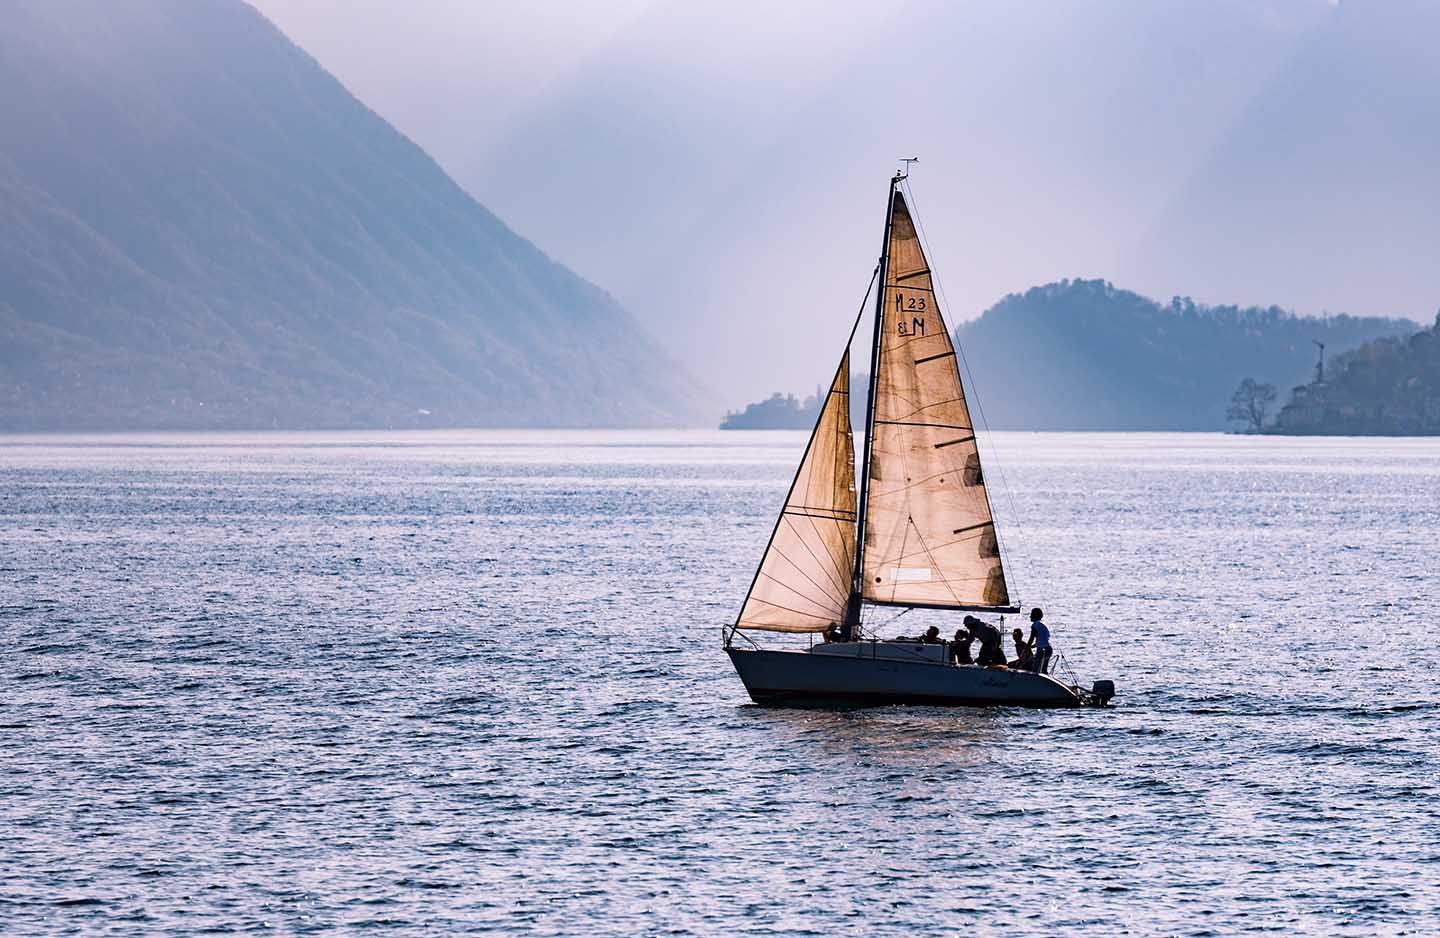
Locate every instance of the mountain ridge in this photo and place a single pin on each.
(254, 247)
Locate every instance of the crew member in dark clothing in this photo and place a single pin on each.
(989, 638)
(960, 648)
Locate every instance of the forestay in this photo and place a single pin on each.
(805, 577)
(929, 534)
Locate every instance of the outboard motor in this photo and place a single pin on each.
(1102, 691)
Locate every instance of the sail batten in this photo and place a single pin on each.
(805, 578)
(929, 537)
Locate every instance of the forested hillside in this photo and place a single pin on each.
(1084, 355)
(1389, 387)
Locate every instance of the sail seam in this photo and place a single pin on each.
(913, 423)
(909, 341)
(919, 482)
(839, 582)
(820, 513)
(797, 612)
(839, 585)
(953, 400)
(914, 407)
(944, 546)
(840, 573)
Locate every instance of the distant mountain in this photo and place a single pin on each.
(1084, 355)
(199, 227)
(1388, 387)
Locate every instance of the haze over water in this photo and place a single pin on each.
(470, 682)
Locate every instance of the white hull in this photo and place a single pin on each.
(799, 678)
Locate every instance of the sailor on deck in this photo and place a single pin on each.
(1039, 641)
(960, 647)
(1024, 655)
(989, 638)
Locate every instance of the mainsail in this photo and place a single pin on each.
(805, 577)
(929, 534)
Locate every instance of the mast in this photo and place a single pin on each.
(852, 609)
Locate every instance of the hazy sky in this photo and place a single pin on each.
(719, 166)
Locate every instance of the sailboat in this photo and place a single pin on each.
(919, 534)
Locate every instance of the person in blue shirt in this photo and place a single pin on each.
(1039, 641)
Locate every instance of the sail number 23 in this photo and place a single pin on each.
(911, 305)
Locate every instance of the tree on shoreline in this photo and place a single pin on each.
(1251, 404)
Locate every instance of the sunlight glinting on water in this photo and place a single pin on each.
(470, 682)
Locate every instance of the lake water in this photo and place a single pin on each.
(471, 683)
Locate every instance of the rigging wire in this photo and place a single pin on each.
(867, 628)
(863, 303)
(974, 394)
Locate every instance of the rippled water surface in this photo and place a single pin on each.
(470, 683)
